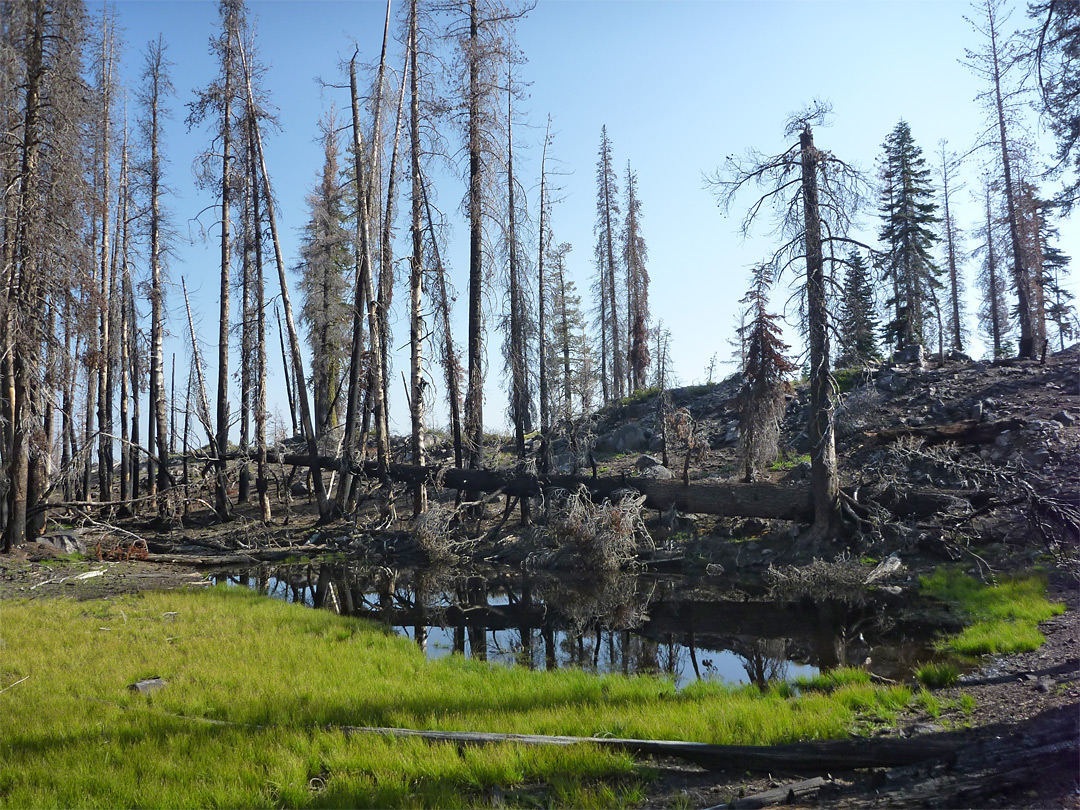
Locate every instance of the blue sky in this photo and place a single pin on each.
(679, 85)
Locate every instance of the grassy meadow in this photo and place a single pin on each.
(256, 687)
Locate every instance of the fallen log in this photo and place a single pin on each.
(243, 558)
(741, 500)
(829, 755)
(715, 498)
(967, 431)
(786, 794)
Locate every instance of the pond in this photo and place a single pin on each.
(685, 628)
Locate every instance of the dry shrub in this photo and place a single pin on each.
(437, 535)
(605, 535)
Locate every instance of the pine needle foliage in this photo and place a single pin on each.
(761, 398)
(908, 214)
(858, 321)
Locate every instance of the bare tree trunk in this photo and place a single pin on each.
(545, 404)
(157, 289)
(474, 399)
(104, 369)
(950, 249)
(450, 364)
(386, 244)
(1021, 279)
(824, 482)
(123, 236)
(325, 510)
(518, 360)
(289, 377)
(416, 272)
(221, 500)
(204, 406)
(136, 381)
(262, 482)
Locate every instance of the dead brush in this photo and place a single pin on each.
(437, 536)
(606, 536)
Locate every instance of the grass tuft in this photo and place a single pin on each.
(1003, 618)
(937, 675)
(833, 679)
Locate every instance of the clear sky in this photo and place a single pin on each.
(679, 85)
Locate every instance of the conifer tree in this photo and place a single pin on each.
(951, 237)
(1054, 47)
(1060, 311)
(634, 256)
(324, 264)
(908, 214)
(761, 397)
(993, 312)
(858, 320)
(993, 64)
(607, 212)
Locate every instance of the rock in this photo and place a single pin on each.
(659, 472)
(148, 685)
(645, 462)
(910, 354)
(623, 439)
(1064, 418)
(957, 357)
(299, 489)
(892, 383)
(66, 543)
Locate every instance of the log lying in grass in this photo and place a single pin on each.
(829, 755)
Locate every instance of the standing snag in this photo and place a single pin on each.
(815, 196)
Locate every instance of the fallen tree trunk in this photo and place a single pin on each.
(829, 755)
(968, 431)
(742, 500)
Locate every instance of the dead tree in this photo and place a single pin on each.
(814, 195)
(324, 506)
(992, 64)
(158, 87)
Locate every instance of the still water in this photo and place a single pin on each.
(611, 622)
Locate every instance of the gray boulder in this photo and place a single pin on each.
(659, 472)
(624, 439)
(911, 354)
(66, 543)
(645, 462)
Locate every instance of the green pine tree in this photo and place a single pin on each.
(858, 324)
(909, 214)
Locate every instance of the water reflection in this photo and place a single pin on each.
(616, 621)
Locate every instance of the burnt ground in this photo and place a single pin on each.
(1021, 423)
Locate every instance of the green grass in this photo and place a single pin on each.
(255, 686)
(937, 674)
(1003, 618)
(786, 462)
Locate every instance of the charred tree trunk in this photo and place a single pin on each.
(824, 481)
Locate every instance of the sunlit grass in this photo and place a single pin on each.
(255, 686)
(937, 674)
(1003, 618)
